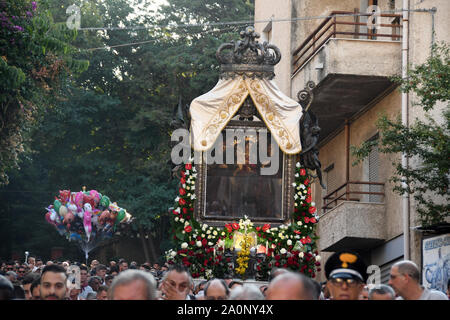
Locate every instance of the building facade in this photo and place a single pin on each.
(350, 57)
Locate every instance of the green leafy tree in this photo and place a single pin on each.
(425, 141)
(36, 57)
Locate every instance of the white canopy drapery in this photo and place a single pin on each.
(211, 112)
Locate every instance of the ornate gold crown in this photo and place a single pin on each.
(248, 57)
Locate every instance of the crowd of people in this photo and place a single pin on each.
(119, 280)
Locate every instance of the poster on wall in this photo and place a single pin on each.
(436, 262)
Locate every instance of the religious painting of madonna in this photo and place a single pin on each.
(244, 176)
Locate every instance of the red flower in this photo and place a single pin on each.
(302, 172)
(182, 202)
(306, 220)
(313, 220)
(228, 227)
(204, 242)
(266, 227)
(183, 174)
(306, 182)
(185, 210)
(312, 209)
(188, 229)
(188, 166)
(257, 229)
(297, 232)
(182, 191)
(308, 199)
(183, 180)
(235, 226)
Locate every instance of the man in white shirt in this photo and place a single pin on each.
(405, 280)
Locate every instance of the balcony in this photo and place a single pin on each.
(351, 68)
(353, 217)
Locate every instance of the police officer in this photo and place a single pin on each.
(347, 274)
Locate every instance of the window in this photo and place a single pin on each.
(267, 32)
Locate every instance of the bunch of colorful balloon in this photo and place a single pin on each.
(86, 215)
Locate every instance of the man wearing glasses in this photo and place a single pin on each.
(347, 274)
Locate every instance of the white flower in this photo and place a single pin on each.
(184, 185)
(173, 254)
(294, 185)
(182, 220)
(318, 258)
(210, 243)
(297, 236)
(295, 197)
(215, 232)
(209, 237)
(280, 235)
(301, 255)
(193, 188)
(283, 251)
(189, 194)
(295, 204)
(198, 243)
(176, 219)
(297, 175)
(177, 199)
(178, 210)
(183, 232)
(297, 164)
(203, 235)
(188, 188)
(274, 246)
(313, 204)
(186, 223)
(223, 233)
(194, 175)
(289, 242)
(187, 172)
(184, 245)
(193, 197)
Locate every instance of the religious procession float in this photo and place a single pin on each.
(252, 212)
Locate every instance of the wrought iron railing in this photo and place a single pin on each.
(331, 26)
(343, 193)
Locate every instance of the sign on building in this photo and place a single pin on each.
(436, 262)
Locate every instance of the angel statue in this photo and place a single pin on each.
(309, 133)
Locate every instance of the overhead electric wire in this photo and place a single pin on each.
(235, 23)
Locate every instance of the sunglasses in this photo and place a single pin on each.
(340, 281)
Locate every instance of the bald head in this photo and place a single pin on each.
(290, 286)
(216, 289)
(408, 267)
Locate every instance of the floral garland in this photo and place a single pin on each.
(201, 248)
(243, 255)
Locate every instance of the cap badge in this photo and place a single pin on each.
(347, 258)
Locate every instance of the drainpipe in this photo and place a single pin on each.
(405, 197)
